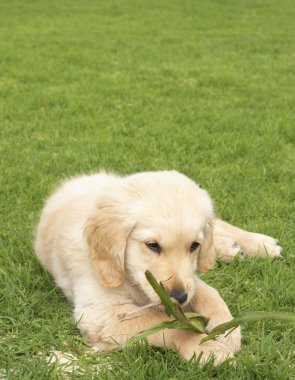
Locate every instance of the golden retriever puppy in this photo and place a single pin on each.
(98, 235)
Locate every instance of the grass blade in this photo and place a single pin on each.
(252, 316)
(161, 326)
(162, 293)
(194, 321)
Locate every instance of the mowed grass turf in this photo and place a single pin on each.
(203, 87)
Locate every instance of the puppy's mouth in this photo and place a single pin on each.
(141, 298)
(178, 293)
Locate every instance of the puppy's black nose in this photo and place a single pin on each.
(179, 295)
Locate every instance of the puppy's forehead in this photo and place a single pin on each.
(171, 222)
(176, 205)
(168, 202)
(169, 232)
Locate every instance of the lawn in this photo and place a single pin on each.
(203, 87)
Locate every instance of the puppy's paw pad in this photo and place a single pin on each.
(226, 248)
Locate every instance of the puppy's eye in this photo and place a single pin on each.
(154, 246)
(195, 245)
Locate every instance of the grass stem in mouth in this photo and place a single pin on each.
(195, 322)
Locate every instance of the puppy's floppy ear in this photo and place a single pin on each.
(206, 256)
(106, 233)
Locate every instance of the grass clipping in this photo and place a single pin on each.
(197, 323)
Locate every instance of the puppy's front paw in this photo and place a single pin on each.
(217, 350)
(211, 349)
(232, 340)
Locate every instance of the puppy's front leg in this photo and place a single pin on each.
(208, 302)
(113, 332)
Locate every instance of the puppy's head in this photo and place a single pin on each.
(159, 222)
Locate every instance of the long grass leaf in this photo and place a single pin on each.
(252, 316)
(161, 326)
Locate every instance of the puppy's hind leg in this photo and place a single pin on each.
(226, 248)
(249, 243)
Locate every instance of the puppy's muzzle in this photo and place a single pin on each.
(179, 295)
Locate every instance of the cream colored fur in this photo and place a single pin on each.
(92, 238)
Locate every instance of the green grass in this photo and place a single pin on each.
(204, 87)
